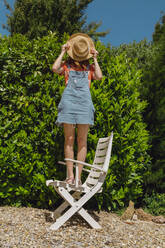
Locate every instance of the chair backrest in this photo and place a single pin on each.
(102, 159)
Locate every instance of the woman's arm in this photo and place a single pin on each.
(57, 64)
(97, 73)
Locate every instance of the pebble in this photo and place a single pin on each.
(29, 227)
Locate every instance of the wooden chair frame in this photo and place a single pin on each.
(82, 193)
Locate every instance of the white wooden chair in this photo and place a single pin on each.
(81, 194)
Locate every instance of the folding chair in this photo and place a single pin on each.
(82, 193)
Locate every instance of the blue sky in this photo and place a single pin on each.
(127, 20)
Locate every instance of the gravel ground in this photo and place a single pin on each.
(29, 227)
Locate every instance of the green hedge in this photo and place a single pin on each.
(31, 143)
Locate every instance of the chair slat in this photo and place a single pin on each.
(103, 139)
(100, 165)
(101, 152)
(102, 145)
(92, 181)
(94, 174)
(99, 160)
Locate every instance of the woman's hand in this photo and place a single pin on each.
(97, 73)
(65, 47)
(57, 64)
(94, 52)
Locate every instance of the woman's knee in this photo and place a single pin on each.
(81, 141)
(69, 134)
(69, 140)
(82, 135)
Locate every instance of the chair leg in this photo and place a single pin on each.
(76, 207)
(64, 205)
(89, 219)
(68, 200)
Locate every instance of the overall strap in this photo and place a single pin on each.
(88, 67)
(68, 65)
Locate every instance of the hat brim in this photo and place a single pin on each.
(71, 41)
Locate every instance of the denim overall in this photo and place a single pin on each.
(76, 105)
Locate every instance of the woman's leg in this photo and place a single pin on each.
(69, 133)
(82, 133)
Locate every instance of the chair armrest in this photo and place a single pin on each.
(84, 163)
(48, 182)
(64, 163)
(61, 162)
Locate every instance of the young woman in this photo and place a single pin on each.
(76, 108)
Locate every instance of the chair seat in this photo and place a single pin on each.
(70, 187)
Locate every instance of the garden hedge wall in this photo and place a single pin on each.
(31, 143)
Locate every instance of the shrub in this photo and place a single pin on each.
(155, 203)
(31, 143)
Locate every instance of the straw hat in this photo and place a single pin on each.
(79, 47)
